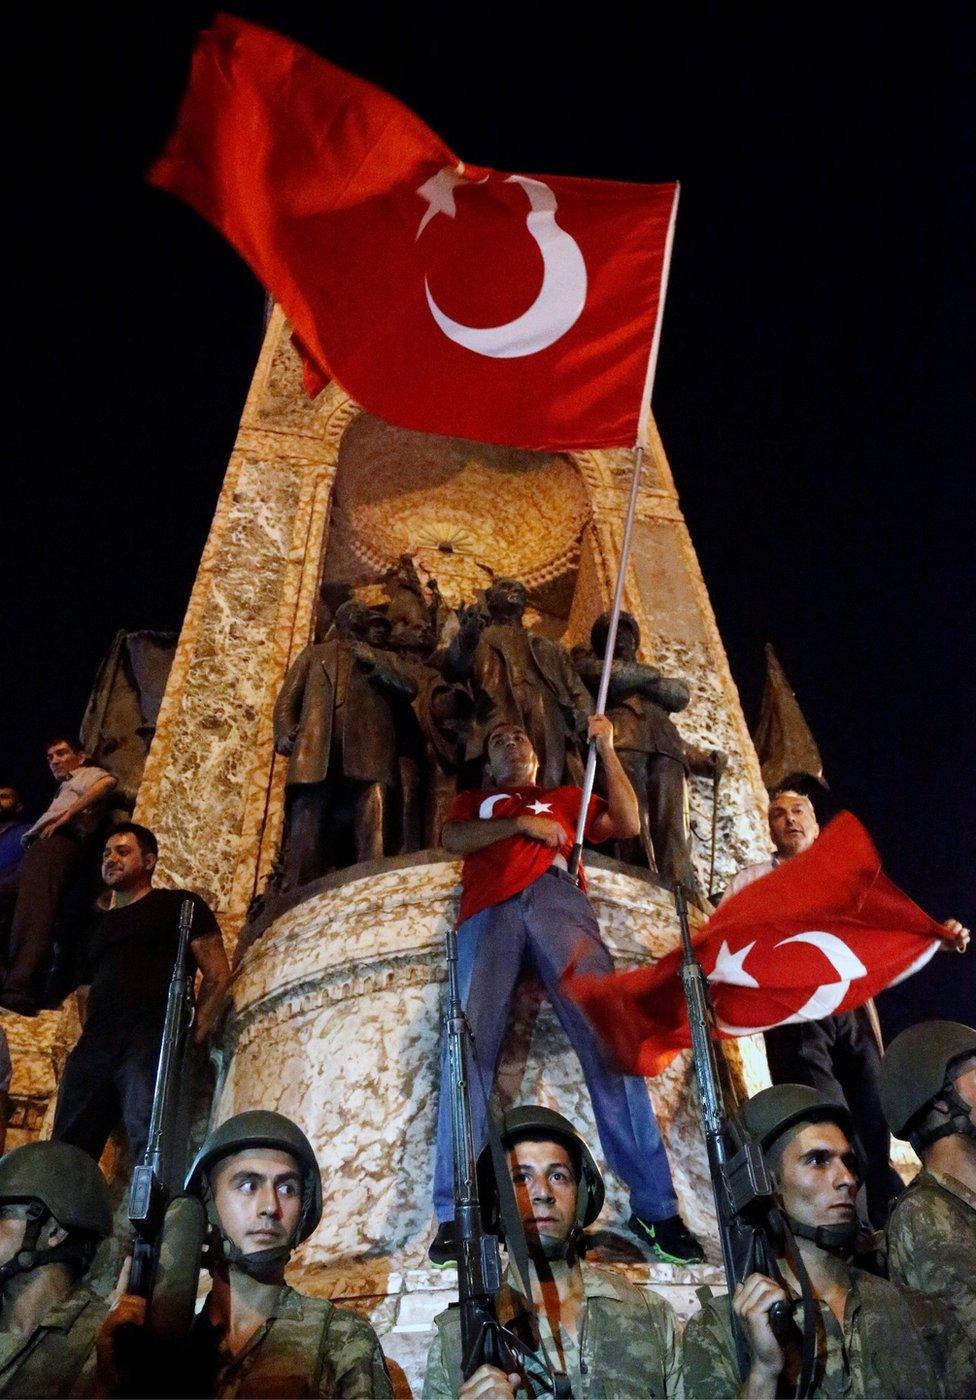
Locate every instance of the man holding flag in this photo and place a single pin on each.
(520, 905)
(816, 937)
(840, 1054)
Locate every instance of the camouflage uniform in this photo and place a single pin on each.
(627, 1344)
(308, 1347)
(892, 1343)
(59, 1358)
(932, 1247)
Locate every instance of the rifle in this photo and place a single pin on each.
(741, 1184)
(169, 1226)
(484, 1341)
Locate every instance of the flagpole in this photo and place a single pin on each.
(618, 593)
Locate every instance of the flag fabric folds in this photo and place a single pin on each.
(821, 934)
(452, 299)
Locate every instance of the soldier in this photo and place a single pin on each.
(261, 1185)
(928, 1088)
(608, 1336)
(872, 1338)
(656, 759)
(54, 1210)
(519, 677)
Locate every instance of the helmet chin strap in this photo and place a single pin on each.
(835, 1239)
(29, 1257)
(958, 1121)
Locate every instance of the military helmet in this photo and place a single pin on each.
(533, 1120)
(66, 1182)
(262, 1128)
(771, 1112)
(916, 1066)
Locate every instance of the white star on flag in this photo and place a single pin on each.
(538, 807)
(729, 967)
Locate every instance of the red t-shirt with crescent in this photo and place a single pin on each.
(497, 872)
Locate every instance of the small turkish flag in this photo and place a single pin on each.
(453, 299)
(821, 934)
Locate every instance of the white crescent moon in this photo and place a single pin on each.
(826, 999)
(561, 298)
(486, 808)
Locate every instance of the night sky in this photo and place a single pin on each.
(814, 390)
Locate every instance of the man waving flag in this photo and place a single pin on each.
(454, 299)
(823, 933)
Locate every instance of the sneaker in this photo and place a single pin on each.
(443, 1251)
(669, 1240)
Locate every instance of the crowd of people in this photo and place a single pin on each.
(903, 1325)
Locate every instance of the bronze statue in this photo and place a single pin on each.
(334, 721)
(656, 759)
(520, 677)
(430, 739)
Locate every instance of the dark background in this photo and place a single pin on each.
(814, 389)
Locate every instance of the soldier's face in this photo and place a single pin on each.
(13, 1224)
(964, 1079)
(511, 757)
(13, 1227)
(817, 1175)
(792, 824)
(123, 864)
(258, 1196)
(545, 1191)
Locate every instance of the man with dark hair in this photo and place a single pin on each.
(520, 905)
(928, 1087)
(870, 1337)
(54, 1210)
(125, 961)
(55, 847)
(607, 1335)
(839, 1055)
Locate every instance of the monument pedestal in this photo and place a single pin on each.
(338, 1026)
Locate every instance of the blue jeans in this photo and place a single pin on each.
(549, 924)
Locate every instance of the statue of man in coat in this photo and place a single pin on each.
(655, 757)
(334, 721)
(519, 677)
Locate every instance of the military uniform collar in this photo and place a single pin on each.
(952, 1184)
(287, 1304)
(60, 1317)
(597, 1283)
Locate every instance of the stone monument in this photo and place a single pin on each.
(338, 984)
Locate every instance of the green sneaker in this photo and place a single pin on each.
(443, 1250)
(669, 1240)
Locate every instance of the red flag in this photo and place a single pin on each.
(823, 933)
(452, 299)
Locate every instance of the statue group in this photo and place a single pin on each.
(387, 718)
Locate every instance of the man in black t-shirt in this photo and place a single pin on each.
(125, 962)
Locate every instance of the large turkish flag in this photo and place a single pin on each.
(452, 299)
(823, 933)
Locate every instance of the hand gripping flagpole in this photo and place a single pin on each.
(618, 592)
